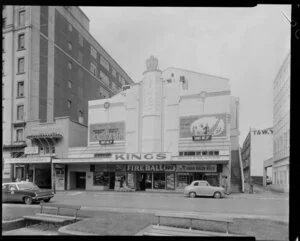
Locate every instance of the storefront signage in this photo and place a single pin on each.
(161, 156)
(263, 132)
(27, 160)
(202, 138)
(204, 158)
(211, 125)
(31, 150)
(150, 168)
(106, 142)
(196, 168)
(107, 131)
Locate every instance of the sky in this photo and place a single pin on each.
(245, 45)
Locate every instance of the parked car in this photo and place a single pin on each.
(269, 180)
(26, 192)
(203, 188)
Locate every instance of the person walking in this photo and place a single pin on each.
(225, 185)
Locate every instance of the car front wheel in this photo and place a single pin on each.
(28, 200)
(192, 195)
(217, 195)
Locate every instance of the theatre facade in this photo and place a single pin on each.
(160, 134)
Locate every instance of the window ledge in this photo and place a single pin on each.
(20, 97)
(20, 73)
(21, 49)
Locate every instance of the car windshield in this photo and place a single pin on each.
(27, 185)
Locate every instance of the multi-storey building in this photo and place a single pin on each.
(173, 127)
(281, 121)
(52, 67)
(257, 147)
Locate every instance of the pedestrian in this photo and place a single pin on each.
(225, 185)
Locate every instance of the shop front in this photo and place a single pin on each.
(35, 169)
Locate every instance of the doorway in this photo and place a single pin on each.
(80, 180)
(141, 181)
(112, 180)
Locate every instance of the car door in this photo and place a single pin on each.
(199, 189)
(12, 193)
(5, 192)
(205, 188)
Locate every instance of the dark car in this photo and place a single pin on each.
(25, 192)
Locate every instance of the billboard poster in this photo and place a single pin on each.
(107, 131)
(206, 125)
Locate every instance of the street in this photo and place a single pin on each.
(272, 207)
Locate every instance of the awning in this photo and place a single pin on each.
(15, 145)
(112, 161)
(27, 160)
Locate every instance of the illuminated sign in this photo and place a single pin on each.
(107, 131)
(263, 132)
(208, 125)
(161, 156)
(196, 168)
(150, 167)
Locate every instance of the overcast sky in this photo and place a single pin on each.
(246, 45)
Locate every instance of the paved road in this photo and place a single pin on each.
(274, 207)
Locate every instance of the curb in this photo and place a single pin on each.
(65, 231)
(13, 224)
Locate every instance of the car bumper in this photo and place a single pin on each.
(42, 198)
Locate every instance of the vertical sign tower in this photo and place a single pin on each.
(152, 107)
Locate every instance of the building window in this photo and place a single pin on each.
(3, 45)
(70, 65)
(19, 136)
(104, 63)
(53, 149)
(93, 69)
(21, 18)
(114, 72)
(70, 27)
(80, 57)
(80, 116)
(104, 78)
(80, 40)
(21, 41)
(69, 104)
(93, 52)
(69, 84)
(3, 22)
(21, 65)
(216, 153)
(20, 90)
(20, 112)
(70, 46)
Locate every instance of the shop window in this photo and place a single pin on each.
(101, 178)
(53, 149)
(170, 181)
(21, 68)
(21, 41)
(20, 89)
(159, 181)
(182, 180)
(120, 180)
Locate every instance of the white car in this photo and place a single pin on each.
(203, 188)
